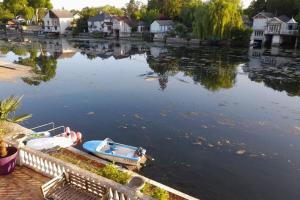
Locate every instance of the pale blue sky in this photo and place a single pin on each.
(78, 4)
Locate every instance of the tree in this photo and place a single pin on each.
(255, 7)
(217, 19)
(289, 7)
(15, 6)
(133, 9)
(39, 4)
(28, 13)
(201, 24)
(297, 17)
(186, 15)
(225, 15)
(5, 14)
(149, 15)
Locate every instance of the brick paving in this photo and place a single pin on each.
(22, 184)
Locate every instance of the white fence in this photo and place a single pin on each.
(52, 167)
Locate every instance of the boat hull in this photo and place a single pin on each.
(117, 159)
(114, 152)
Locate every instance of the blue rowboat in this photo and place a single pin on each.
(116, 152)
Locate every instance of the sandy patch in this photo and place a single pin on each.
(10, 72)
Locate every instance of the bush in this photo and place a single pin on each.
(111, 172)
(155, 192)
(240, 37)
(181, 30)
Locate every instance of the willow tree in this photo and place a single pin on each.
(225, 15)
(201, 24)
(217, 18)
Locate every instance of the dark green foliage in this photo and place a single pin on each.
(240, 37)
(277, 7)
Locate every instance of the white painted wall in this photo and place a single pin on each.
(157, 28)
(55, 25)
(260, 23)
(65, 23)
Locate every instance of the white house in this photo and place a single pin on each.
(122, 26)
(161, 26)
(100, 23)
(259, 25)
(267, 27)
(57, 21)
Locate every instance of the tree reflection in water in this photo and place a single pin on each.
(43, 65)
(213, 70)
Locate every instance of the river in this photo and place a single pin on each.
(221, 123)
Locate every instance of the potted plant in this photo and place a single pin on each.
(8, 155)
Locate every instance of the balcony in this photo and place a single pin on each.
(282, 32)
(289, 32)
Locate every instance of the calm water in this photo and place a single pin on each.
(221, 123)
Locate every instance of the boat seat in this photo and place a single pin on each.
(109, 151)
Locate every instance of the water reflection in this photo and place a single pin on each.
(213, 68)
(199, 101)
(276, 68)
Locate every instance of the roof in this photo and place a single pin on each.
(292, 21)
(165, 22)
(60, 14)
(127, 20)
(284, 18)
(100, 17)
(266, 14)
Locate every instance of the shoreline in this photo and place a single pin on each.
(10, 72)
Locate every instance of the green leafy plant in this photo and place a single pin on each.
(155, 192)
(111, 172)
(8, 107)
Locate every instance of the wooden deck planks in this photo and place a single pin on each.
(22, 184)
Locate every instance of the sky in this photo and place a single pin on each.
(78, 4)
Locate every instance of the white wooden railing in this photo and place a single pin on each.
(53, 167)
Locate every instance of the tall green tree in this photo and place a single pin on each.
(201, 24)
(15, 6)
(255, 7)
(289, 7)
(133, 9)
(217, 19)
(38, 5)
(149, 15)
(5, 14)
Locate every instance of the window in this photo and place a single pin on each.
(290, 27)
(48, 23)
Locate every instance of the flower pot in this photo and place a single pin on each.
(8, 163)
(136, 183)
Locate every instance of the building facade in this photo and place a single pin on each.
(101, 23)
(57, 21)
(268, 29)
(159, 28)
(122, 26)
